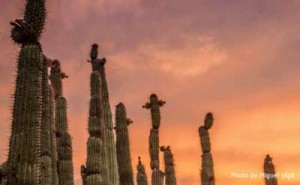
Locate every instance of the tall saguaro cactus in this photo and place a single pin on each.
(269, 171)
(123, 148)
(64, 143)
(95, 172)
(154, 106)
(170, 175)
(48, 140)
(25, 140)
(207, 171)
(141, 177)
(109, 140)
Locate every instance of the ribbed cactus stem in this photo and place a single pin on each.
(207, 171)
(123, 148)
(95, 172)
(141, 177)
(63, 139)
(25, 141)
(154, 148)
(154, 106)
(109, 140)
(157, 177)
(170, 176)
(48, 159)
(269, 171)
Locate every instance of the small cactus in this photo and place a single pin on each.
(123, 148)
(269, 171)
(141, 177)
(207, 171)
(170, 175)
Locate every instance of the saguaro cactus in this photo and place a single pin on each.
(207, 171)
(109, 140)
(48, 140)
(25, 140)
(169, 166)
(141, 177)
(154, 106)
(269, 171)
(123, 148)
(64, 143)
(95, 172)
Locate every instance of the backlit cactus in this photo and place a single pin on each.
(25, 140)
(95, 172)
(109, 140)
(141, 177)
(269, 171)
(207, 171)
(170, 176)
(48, 139)
(64, 143)
(123, 148)
(154, 106)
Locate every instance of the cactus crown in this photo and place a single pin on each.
(30, 29)
(94, 52)
(209, 120)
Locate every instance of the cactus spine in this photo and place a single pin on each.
(48, 140)
(154, 106)
(64, 143)
(207, 171)
(169, 166)
(25, 140)
(269, 171)
(95, 172)
(123, 148)
(141, 177)
(109, 140)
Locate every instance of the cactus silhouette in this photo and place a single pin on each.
(109, 140)
(207, 171)
(25, 140)
(48, 139)
(154, 106)
(269, 171)
(123, 148)
(95, 172)
(64, 143)
(141, 177)
(170, 176)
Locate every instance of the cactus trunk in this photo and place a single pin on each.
(141, 177)
(269, 172)
(48, 140)
(95, 172)
(154, 106)
(25, 141)
(207, 171)
(123, 148)
(63, 139)
(170, 176)
(109, 140)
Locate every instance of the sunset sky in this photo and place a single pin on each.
(237, 59)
